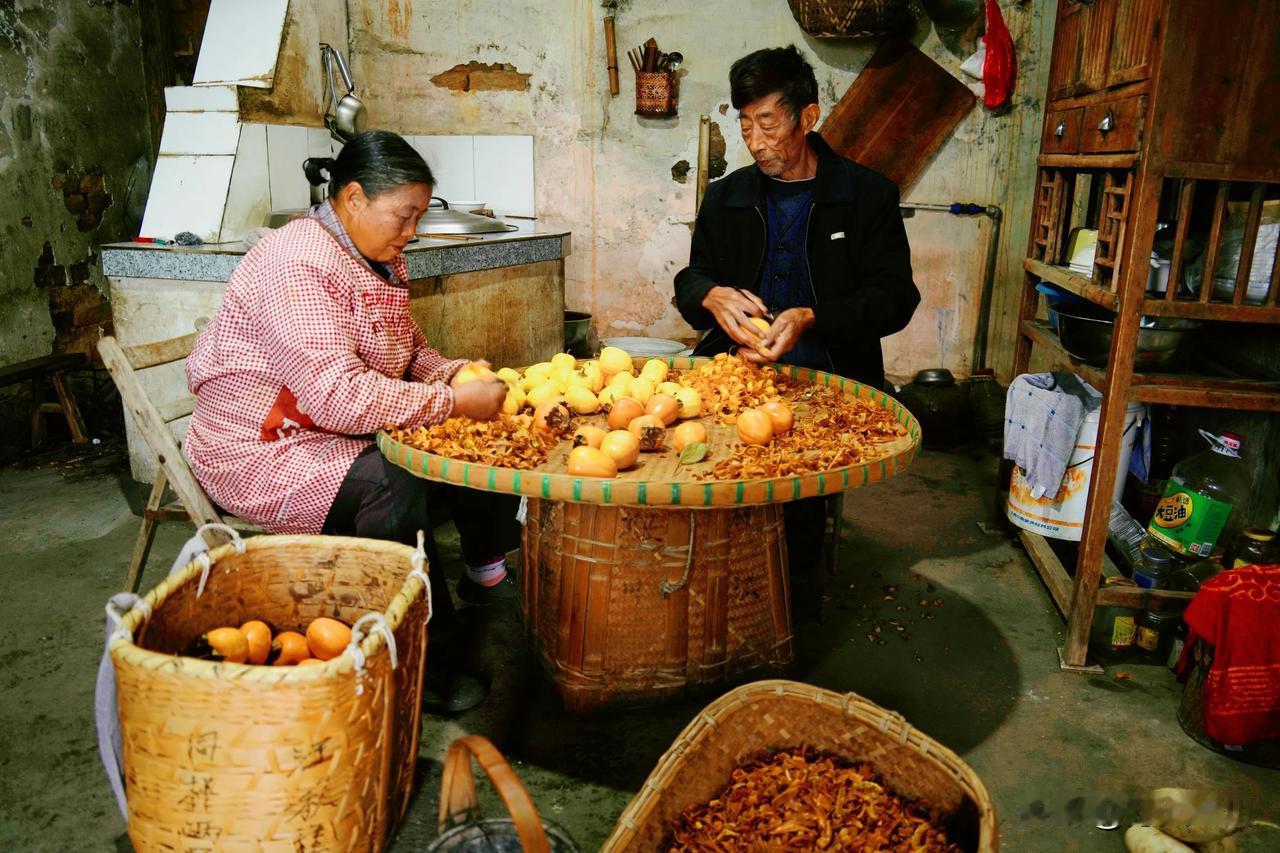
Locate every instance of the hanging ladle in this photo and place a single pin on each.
(346, 116)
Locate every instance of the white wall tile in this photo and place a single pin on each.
(187, 194)
(451, 159)
(249, 193)
(241, 43)
(200, 133)
(320, 143)
(504, 173)
(287, 147)
(201, 99)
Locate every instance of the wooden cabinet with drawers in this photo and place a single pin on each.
(1156, 110)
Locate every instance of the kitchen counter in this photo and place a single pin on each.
(427, 257)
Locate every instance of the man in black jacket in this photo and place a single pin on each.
(807, 239)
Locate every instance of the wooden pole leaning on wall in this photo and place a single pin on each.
(704, 161)
(611, 52)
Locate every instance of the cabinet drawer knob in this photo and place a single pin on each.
(1108, 122)
(1061, 130)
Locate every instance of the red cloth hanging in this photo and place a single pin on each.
(1000, 68)
(1238, 613)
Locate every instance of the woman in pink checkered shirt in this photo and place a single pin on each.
(312, 350)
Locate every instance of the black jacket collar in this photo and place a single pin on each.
(834, 182)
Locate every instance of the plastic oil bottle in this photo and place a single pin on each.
(1206, 499)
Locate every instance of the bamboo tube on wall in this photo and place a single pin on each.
(704, 160)
(611, 51)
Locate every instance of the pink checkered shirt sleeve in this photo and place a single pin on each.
(305, 319)
(428, 365)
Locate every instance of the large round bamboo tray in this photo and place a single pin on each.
(230, 756)
(628, 605)
(767, 716)
(659, 479)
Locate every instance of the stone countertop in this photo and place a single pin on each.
(426, 256)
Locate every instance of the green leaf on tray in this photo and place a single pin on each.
(695, 452)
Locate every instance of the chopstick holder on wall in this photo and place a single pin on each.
(657, 93)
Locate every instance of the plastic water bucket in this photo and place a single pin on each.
(1062, 517)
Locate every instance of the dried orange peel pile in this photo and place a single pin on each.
(802, 800)
(509, 441)
(814, 428)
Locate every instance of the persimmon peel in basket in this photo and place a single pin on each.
(801, 799)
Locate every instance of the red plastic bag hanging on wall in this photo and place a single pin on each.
(1001, 66)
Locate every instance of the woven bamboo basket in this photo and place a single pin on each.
(850, 18)
(772, 715)
(226, 756)
(628, 605)
(660, 480)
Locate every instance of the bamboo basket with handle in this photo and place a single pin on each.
(226, 756)
(851, 18)
(461, 827)
(629, 605)
(767, 716)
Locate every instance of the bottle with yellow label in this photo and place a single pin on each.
(1206, 499)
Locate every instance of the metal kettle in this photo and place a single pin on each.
(346, 116)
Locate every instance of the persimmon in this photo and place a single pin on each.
(755, 427)
(327, 638)
(624, 411)
(622, 447)
(288, 648)
(689, 432)
(228, 644)
(258, 634)
(780, 415)
(589, 462)
(588, 436)
(664, 407)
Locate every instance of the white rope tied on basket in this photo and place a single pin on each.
(418, 562)
(206, 565)
(667, 587)
(358, 633)
(232, 533)
(116, 616)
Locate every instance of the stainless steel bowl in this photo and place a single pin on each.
(1085, 331)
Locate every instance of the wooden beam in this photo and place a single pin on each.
(1215, 237)
(1087, 161)
(1206, 397)
(1221, 311)
(1051, 571)
(1186, 195)
(1143, 599)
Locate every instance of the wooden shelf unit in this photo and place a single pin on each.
(1161, 109)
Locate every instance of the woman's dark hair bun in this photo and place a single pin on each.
(377, 160)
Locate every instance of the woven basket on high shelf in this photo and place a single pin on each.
(230, 755)
(772, 715)
(621, 614)
(850, 18)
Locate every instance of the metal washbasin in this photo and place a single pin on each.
(1085, 331)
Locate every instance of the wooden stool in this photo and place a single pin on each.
(37, 370)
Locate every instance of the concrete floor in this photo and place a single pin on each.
(981, 675)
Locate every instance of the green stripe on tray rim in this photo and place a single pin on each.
(444, 468)
(675, 493)
(493, 479)
(606, 491)
(515, 482)
(738, 490)
(768, 491)
(642, 492)
(708, 494)
(546, 486)
(822, 483)
(795, 488)
(844, 478)
(577, 488)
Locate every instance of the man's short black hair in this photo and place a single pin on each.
(781, 70)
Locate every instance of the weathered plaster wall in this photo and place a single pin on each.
(73, 127)
(608, 174)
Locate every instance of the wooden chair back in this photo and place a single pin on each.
(123, 363)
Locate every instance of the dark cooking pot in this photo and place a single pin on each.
(941, 405)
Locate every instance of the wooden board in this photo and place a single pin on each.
(659, 479)
(897, 113)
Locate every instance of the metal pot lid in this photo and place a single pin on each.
(446, 220)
